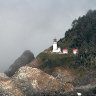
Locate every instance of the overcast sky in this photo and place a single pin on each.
(32, 24)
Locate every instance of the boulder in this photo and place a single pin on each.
(24, 59)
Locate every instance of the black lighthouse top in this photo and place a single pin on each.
(55, 40)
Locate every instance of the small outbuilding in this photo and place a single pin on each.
(65, 51)
(75, 51)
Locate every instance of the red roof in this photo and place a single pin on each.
(75, 49)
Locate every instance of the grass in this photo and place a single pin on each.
(54, 60)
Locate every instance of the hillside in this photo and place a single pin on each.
(53, 74)
(82, 66)
(82, 36)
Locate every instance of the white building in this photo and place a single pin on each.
(65, 51)
(79, 94)
(56, 49)
(75, 51)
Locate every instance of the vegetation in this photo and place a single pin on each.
(82, 35)
(53, 60)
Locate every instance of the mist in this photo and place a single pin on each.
(32, 25)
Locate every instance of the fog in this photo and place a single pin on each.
(32, 25)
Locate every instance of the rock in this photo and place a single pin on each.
(8, 87)
(2, 75)
(35, 63)
(63, 74)
(36, 81)
(24, 59)
(88, 77)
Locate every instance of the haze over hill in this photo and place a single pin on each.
(26, 24)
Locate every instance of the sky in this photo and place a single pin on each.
(33, 24)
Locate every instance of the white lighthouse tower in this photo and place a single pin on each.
(55, 47)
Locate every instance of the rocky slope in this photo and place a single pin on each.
(8, 87)
(39, 80)
(28, 81)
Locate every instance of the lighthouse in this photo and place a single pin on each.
(55, 47)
